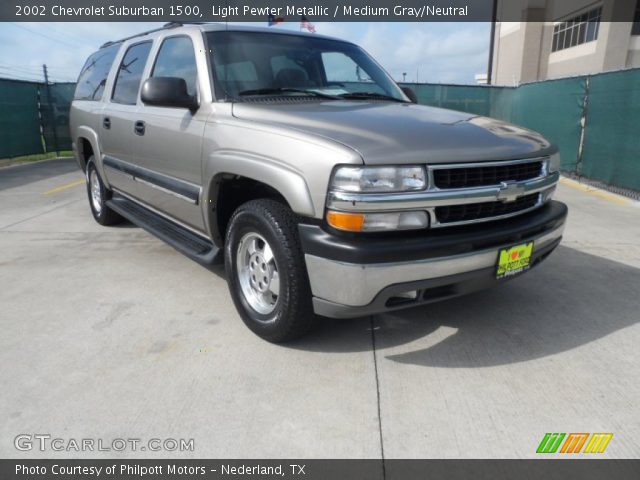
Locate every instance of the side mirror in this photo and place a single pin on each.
(168, 92)
(410, 93)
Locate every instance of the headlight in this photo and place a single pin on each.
(379, 179)
(554, 163)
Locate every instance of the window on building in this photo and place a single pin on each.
(130, 73)
(635, 30)
(580, 29)
(177, 59)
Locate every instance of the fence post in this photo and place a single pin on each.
(583, 124)
(52, 117)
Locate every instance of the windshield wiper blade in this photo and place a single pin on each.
(370, 95)
(271, 91)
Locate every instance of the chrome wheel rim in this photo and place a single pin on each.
(257, 272)
(95, 191)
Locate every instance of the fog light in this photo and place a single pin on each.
(377, 222)
(412, 295)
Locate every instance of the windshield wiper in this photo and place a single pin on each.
(276, 90)
(370, 95)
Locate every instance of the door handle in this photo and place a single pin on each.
(139, 127)
(106, 123)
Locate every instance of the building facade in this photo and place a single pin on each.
(559, 38)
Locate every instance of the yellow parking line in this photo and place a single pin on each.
(64, 187)
(612, 197)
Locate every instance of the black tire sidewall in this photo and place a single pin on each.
(106, 215)
(294, 298)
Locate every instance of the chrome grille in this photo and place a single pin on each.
(479, 175)
(470, 212)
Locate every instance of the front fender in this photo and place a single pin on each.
(282, 178)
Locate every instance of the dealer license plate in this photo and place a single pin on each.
(514, 260)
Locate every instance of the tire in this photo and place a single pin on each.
(98, 197)
(257, 227)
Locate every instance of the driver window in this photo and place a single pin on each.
(176, 58)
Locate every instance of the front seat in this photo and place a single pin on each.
(292, 77)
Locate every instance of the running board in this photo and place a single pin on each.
(182, 239)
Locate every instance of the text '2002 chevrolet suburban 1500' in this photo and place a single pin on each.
(329, 190)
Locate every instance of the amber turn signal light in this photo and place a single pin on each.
(350, 222)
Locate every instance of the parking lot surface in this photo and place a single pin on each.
(109, 333)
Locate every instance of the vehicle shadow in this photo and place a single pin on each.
(24, 174)
(570, 300)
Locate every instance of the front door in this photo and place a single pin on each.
(170, 148)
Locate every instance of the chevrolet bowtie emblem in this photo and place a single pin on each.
(509, 191)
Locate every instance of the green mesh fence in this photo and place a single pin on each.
(472, 99)
(55, 115)
(553, 108)
(19, 122)
(32, 123)
(612, 132)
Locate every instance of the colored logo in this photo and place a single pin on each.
(573, 443)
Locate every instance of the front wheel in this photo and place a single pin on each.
(266, 271)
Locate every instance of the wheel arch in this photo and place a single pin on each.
(87, 145)
(238, 179)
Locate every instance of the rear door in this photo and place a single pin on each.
(117, 123)
(170, 149)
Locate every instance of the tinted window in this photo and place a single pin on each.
(93, 76)
(177, 59)
(246, 61)
(130, 73)
(635, 29)
(341, 68)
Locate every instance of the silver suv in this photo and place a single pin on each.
(325, 187)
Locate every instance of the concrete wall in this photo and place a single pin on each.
(523, 49)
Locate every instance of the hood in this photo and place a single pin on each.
(397, 133)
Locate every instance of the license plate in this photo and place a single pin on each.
(514, 260)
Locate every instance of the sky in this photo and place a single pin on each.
(426, 52)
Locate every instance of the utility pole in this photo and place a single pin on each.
(52, 117)
(492, 41)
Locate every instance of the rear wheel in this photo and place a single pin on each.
(99, 194)
(266, 271)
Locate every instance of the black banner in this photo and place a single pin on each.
(546, 469)
(293, 10)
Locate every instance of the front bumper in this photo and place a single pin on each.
(357, 276)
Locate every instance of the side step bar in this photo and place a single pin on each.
(193, 246)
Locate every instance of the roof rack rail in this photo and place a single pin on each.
(141, 34)
(179, 24)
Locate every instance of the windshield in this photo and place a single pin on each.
(255, 63)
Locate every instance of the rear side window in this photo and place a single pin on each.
(93, 76)
(127, 83)
(177, 59)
